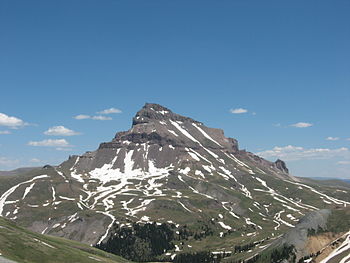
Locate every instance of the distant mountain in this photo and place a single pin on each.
(170, 189)
(330, 179)
(17, 171)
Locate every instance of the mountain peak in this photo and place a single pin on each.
(155, 106)
(154, 112)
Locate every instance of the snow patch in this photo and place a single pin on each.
(27, 190)
(5, 195)
(222, 224)
(206, 135)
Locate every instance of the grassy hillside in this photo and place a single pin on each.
(24, 246)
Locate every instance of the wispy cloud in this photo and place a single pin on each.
(330, 138)
(238, 111)
(97, 118)
(4, 161)
(35, 160)
(60, 131)
(293, 153)
(5, 132)
(11, 122)
(302, 125)
(66, 149)
(109, 111)
(82, 117)
(101, 118)
(343, 162)
(59, 143)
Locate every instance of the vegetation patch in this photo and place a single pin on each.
(140, 242)
(199, 257)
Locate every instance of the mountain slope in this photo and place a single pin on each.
(22, 245)
(166, 169)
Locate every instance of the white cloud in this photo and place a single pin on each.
(67, 149)
(5, 132)
(110, 111)
(343, 162)
(101, 118)
(330, 138)
(50, 143)
(98, 117)
(348, 139)
(35, 160)
(301, 125)
(8, 162)
(238, 111)
(82, 117)
(293, 153)
(60, 131)
(11, 122)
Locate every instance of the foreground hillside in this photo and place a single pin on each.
(321, 236)
(24, 246)
(166, 189)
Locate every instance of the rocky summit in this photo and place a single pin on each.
(173, 176)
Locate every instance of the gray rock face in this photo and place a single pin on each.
(298, 236)
(281, 165)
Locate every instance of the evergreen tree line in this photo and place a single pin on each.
(246, 247)
(198, 257)
(241, 248)
(204, 231)
(287, 252)
(275, 256)
(140, 242)
(147, 242)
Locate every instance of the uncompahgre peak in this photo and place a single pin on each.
(173, 170)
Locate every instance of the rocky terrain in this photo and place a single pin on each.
(172, 175)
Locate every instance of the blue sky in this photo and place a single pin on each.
(285, 62)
